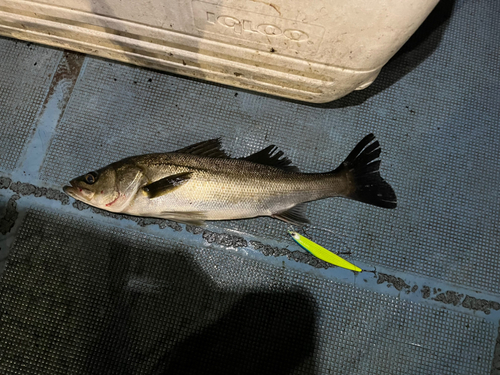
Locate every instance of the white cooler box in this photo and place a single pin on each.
(315, 51)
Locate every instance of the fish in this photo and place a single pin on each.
(201, 182)
(322, 253)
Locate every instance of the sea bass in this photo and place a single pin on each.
(201, 182)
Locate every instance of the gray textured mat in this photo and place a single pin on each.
(85, 292)
(26, 72)
(128, 303)
(439, 140)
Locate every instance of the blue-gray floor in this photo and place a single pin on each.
(85, 292)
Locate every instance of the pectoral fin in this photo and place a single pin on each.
(166, 185)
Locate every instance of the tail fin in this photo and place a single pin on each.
(363, 169)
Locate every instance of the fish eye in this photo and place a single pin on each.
(91, 178)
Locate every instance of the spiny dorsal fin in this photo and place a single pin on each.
(166, 185)
(210, 148)
(271, 156)
(295, 215)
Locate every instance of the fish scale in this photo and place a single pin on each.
(229, 188)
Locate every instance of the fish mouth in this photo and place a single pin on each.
(76, 191)
(70, 190)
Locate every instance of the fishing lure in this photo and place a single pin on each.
(322, 253)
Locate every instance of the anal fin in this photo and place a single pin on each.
(295, 215)
(196, 218)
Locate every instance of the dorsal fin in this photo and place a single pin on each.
(273, 157)
(210, 148)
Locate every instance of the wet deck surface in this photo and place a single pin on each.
(88, 292)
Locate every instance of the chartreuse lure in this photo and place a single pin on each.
(322, 253)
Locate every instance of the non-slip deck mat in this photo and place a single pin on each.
(82, 298)
(25, 73)
(437, 125)
(84, 294)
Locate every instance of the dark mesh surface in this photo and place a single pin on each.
(87, 294)
(26, 71)
(82, 298)
(439, 138)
